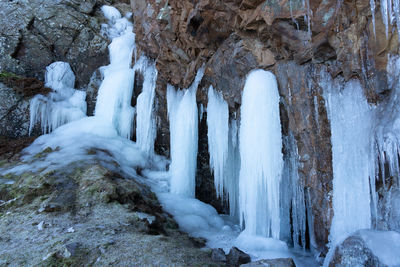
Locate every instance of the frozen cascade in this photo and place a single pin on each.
(64, 104)
(115, 93)
(261, 156)
(145, 121)
(218, 134)
(99, 136)
(351, 126)
(183, 118)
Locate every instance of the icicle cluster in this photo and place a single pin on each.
(351, 125)
(64, 104)
(387, 134)
(292, 202)
(390, 10)
(183, 117)
(365, 139)
(260, 155)
(223, 149)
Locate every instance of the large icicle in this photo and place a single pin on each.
(62, 105)
(385, 15)
(183, 117)
(351, 126)
(218, 134)
(145, 121)
(261, 155)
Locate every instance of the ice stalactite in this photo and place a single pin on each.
(293, 209)
(372, 6)
(218, 134)
(261, 156)
(64, 104)
(183, 117)
(115, 93)
(387, 136)
(145, 121)
(352, 149)
(385, 15)
(232, 169)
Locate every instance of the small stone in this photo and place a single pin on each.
(72, 249)
(218, 255)
(71, 230)
(280, 262)
(40, 226)
(236, 257)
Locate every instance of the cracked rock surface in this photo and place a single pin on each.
(35, 33)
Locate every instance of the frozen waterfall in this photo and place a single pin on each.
(183, 118)
(115, 93)
(261, 155)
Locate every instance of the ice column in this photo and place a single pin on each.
(183, 118)
(261, 155)
(145, 121)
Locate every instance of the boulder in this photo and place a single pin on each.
(218, 255)
(236, 257)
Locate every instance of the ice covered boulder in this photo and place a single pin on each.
(368, 248)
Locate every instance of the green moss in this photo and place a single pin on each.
(6, 75)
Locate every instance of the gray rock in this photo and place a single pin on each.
(281, 262)
(218, 255)
(14, 113)
(92, 90)
(236, 257)
(35, 33)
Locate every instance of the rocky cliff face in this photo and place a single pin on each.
(295, 40)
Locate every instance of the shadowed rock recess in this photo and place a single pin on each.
(85, 214)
